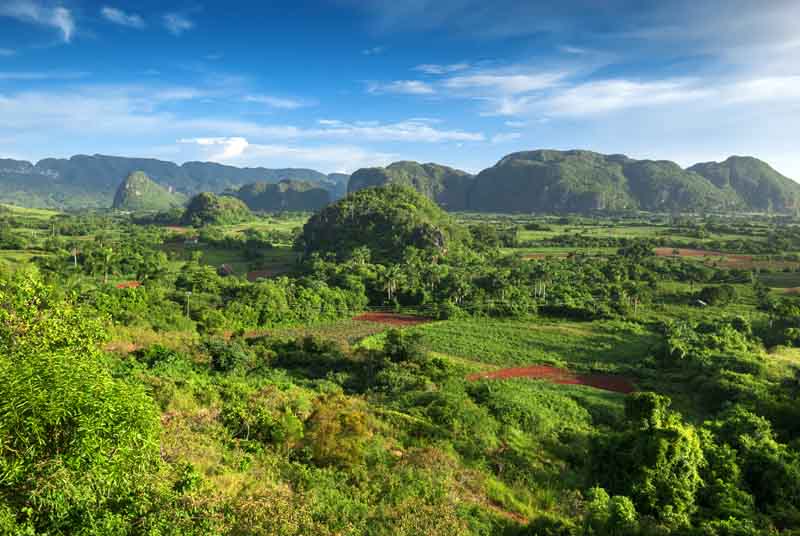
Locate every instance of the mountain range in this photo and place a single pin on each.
(528, 181)
(581, 181)
(92, 181)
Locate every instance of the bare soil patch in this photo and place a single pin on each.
(392, 319)
(617, 384)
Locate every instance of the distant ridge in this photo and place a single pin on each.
(91, 181)
(582, 181)
(284, 195)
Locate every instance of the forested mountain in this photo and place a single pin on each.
(760, 186)
(91, 181)
(447, 186)
(580, 181)
(285, 195)
(207, 208)
(382, 222)
(140, 192)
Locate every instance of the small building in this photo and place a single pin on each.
(225, 270)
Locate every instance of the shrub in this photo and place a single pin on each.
(226, 356)
(717, 295)
(338, 431)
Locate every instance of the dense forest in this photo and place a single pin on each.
(583, 181)
(384, 367)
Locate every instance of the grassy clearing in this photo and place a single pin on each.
(597, 346)
(347, 333)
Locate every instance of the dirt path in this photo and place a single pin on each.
(392, 319)
(617, 384)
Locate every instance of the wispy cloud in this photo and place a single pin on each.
(282, 103)
(177, 23)
(774, 88)
(432, 68)
(568, 49)
(140, 110)
(603, 96)
(231, 147)
(506, 137)
(405, 87)
(33, 12)
(333, 158)
(505, 83)
(373, 51)
(117, 16)
(41, 75)
(410, 130)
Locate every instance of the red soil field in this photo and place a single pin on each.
(392, 319)
(617, 384)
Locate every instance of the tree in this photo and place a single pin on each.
(78, 448)
(655, 461)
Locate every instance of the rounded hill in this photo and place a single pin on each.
(211, 209)
(384, 219)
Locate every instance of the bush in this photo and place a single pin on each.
(717, 295)
(226, 356)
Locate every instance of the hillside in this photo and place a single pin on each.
(140, 192)
(210, 209)
(447, 186)
(581, 181)
(759, 186)
(91, 181)
(285, 195)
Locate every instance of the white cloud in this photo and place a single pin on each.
(516, 124)
(506, 137)
(33, 12)
(41, 75)
(604, 96)
(505, 83)
(7, 52)
(408, 131)
(282, 103)
(117, 16)
(432, 68)
(403, 87)
(177, 23)
(567, 49)
(231, 147)
(140, 110)
(374, 51)
(775, 88)
(332, 158)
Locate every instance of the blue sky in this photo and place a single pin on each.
(341, 84)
